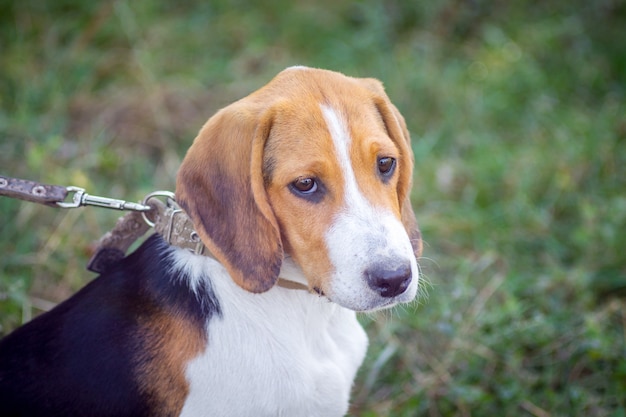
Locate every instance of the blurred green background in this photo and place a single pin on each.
(518, 118)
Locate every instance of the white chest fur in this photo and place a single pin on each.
(281, 353)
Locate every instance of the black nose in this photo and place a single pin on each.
(389, 282)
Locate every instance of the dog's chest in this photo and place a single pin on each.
(283, 353)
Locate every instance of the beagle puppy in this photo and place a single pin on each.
(305, 181)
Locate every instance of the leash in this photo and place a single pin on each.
(157, 210)
(55, 195)
(112, 247)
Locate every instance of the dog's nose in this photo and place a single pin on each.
(389, 282)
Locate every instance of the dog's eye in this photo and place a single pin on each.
(304, 185)
(386, 166)
(308, 188)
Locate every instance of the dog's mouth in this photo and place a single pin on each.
(319, 291)
(367, 305)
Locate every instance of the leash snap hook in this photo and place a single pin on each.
(81, 198)
(77, 198)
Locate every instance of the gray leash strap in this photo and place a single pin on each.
(32, 191)
(55, 195)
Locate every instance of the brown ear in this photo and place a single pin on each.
(397, 130)
(220, 186)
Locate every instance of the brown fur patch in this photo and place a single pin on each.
(170, 343)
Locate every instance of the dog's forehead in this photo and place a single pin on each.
(298, 107)
(302, 138)
(305, 132)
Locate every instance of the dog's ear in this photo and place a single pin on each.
(399, 133)
(220, 186)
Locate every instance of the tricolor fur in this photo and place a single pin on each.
(307, 179)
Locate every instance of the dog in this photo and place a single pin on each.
(306, 182)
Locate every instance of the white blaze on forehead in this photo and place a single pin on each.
(342, 141)
(355, 203)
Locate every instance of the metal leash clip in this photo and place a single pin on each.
(81, 198)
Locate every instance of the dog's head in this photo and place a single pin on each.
(315, 165)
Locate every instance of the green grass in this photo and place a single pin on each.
(518, 118)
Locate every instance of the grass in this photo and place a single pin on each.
(519, 131)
